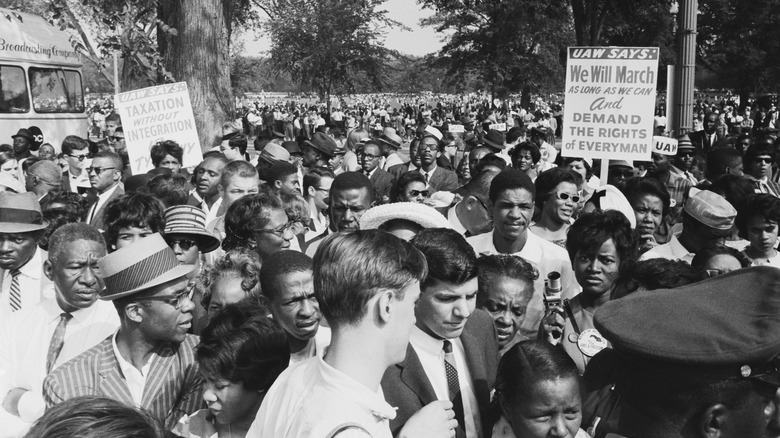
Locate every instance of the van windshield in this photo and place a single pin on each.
(13, 90)
(55, 90)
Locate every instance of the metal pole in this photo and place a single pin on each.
(116, 74)
(686, 67)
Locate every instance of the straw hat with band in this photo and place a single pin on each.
(20, 213)
(143, 265)
(189, 220)
(421, 214)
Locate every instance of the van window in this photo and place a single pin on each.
(55, 90)
(13, 90)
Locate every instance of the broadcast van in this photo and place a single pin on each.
(40, 79)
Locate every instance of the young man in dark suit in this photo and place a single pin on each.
(381, 181)
(453, 350)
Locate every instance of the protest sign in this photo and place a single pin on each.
(610, 100)
(154, 114)
(456, 128)
(498, 126)
(664, 145)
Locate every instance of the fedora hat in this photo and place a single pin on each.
(273, 153)
(20, 213)
(323, 143)
(495, 139)
(24, 132)
(189, 220)
(140, 266)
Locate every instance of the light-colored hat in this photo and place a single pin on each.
(274, 153)
(711, 209)
(140, 266)
(20, 213)
(421, 214)
(186, 219)
(391, 139)
(9, 182)
(610, 198)
(430, 130)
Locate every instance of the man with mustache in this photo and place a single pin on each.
(35, 340)
(150, 361)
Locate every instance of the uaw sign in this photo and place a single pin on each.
(155, 114)
(665, 145)
(610, 100)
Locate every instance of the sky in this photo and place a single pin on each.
(419, 41)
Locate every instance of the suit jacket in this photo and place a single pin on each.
(97, 220)
(407, 387)
(702, 142)
(398, 170)
(65, 184)
(443, 179)
(382, 182)
(173, 384)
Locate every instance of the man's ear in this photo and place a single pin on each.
(48, 270)
(134, 312)
(278, 184)
(712, 421)
(384, 305)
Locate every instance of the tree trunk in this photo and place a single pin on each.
(198, 55)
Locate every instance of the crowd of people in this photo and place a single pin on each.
(419, 272)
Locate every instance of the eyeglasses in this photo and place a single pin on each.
(320, 189)
(184, 244)
(369, 156)
(563, 196)
(416, 193)
(623, 173)
(176, 300)
(685, 154)
(279, 232)
(116, 138)
(78, 157)
(98, 170)
(764, 160)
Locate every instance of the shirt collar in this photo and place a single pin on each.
(452, 216)
(372, 400)
(105, 195)
(33, 268)
(426, 342)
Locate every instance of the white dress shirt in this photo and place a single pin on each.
(24, 346)
(31, 284)
(76, 181)
(135, 378)
(430, 351)
(671, 250)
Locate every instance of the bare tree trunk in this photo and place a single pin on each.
(198, 54)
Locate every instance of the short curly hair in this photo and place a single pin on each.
(161, 149)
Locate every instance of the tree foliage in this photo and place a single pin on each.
(739, 42)
(505, 44)
(329, 44)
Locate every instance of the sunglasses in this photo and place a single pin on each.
(415, 193)
(98, 170)
(184, 244)
(78, 157)
(563, 196)
(764, 160)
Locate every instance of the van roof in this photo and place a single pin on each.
(27, 37)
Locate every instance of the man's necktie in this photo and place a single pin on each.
(453, 383)
(426, 177)
(16, 294)
(57, 340)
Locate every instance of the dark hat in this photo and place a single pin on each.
(24, 132)
(539, 130)
(140, 266)
(323, 143)
(495, 138)
(37, 138)
(292, 147)
(722, 328)
(137, 183)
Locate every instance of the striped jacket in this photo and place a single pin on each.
(173, 384)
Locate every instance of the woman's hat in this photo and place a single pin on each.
(140, 266)
(189, 220)
(20, 213)
(421, 214)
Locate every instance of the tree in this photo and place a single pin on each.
(596, 22)
(739, 42)
(507, 44)
(328, 44)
